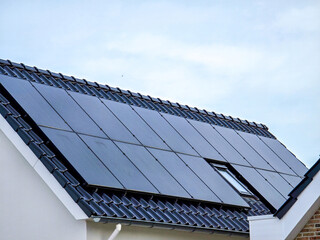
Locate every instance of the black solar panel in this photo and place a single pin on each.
(82, 158)
(33, 103)
(104, 117)
(135, 124)
(116, 145)
(193, 137)
(243, 148)
(172, 138)
(216, 140)
(293, 180)
(184, 175)
(265, 152)
(258, 182)
(122, 168)
(213, 180)
(153, 170)
(277, 181)
(69, 110)
(285, 155)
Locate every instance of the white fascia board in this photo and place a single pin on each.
(42, 171)
(293, 221)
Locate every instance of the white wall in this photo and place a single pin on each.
(269, 227)
(28, 208)
(100, 231)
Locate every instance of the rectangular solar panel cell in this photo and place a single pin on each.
(183, 174)
(135, 124)
(275, 162)
(121, 167)
(32, 102)
(103, 117)
(153, 170)
(81, 158)
(277, 181)
(243, 148)
(285, 155)
(69, 110)
(293, 180)
(258, 182)
(193, 137)
(214, 181)
(165, 131)
(216, 140)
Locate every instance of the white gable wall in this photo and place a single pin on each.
(28, 207)
(270, 227)
(100, 231)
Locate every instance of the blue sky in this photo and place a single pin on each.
(257, 60)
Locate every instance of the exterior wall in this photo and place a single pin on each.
(311, 230)
(291, 224)
(100, 231)
(28, 207)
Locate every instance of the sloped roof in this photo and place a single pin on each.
(249, 150)
(294, 194)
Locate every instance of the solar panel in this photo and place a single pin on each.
(180, 171)
(277, 182)
(243, 148)
(275, 162)
(92, 170)
(193, 137)
(103, 117)
(216, 140)
(153, 170)
(116, 162)
(285, 155)
(69, 110)
(213, 180)
(135, 124)
(293, 180)
(165, 131)
(32, 102)
(258, 182)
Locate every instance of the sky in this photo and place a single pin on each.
(257, 60)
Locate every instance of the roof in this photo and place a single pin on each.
(294, 194)
(64, 121)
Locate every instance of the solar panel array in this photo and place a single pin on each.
(116, 145)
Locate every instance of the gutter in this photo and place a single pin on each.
(170, 226)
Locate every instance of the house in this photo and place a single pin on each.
(78, 157)
(298, 218)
